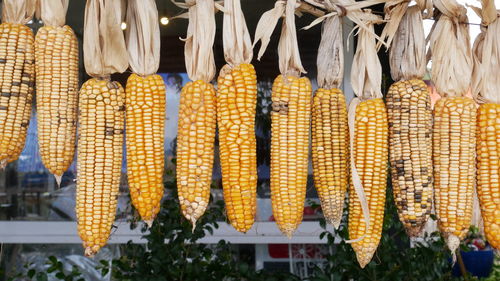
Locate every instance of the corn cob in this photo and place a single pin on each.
(100, 145)
(488, 169)
(145, 118)
(195, 148)
(56, 64)
(330, 151)
(370, 152)
(454, 144)
(290, 117)
(410, 145)
(236, 105)
(17, 68)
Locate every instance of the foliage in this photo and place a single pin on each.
(54, 267)
(181, 258)
(171, 252)
(394, 259)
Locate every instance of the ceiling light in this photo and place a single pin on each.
(164, 20)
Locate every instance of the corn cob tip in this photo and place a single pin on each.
(365, 256)
(149, 222)
(414, 231)
(91, 251)
(58, 180)
(452, 241)
(335, 223)
(288, 229)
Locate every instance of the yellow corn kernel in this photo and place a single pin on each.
(488, 170)
(330, 151)
(410, 145)
(195, 148)
(145, 119)
(17, 68)
(56, 65)
(236, 105)
(290, 118)
(454, 144)
(370, 152)
(100, 151)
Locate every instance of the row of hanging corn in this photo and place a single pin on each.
(347, 147)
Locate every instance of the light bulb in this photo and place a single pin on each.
(164, 20)
(123, 25)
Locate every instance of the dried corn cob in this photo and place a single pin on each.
(290, 117)
(454, 143)
(486, 90)
(488, 169)
(100, 145)
(195, 148)
(370, 152)
(17, 68)
(236, 104)
(56, 64)
(410, 143)
(454, 140)
(410, 116)
(145, 118)
(197, 115)
(368, 133)
(330, 131)
(330, 151)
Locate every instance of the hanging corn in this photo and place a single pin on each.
(454, 139)
(17, 65)
(101, 124)
(486, 82)
(290, 117)
(56, 66)
(368, 130)
(236, 105)
(410, 115)
(330, 132)
(197, 113)
(145, 114)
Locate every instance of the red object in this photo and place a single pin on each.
(308, 251)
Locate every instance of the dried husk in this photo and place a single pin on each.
(366, 72)
(198, 48)
(53, 12)
(450, 49)
(288, 49)
(18, 11)
(235, 36)
(330, 59)
(486, 50)
(143, 37)
(395, 10)
(407, 54)
(103, 41)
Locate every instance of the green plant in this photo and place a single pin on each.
(171, 251)
(54, 266)
(394, 259)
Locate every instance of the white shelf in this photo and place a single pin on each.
(33, 232)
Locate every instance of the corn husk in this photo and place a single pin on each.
(143, 37)
(104, 49)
